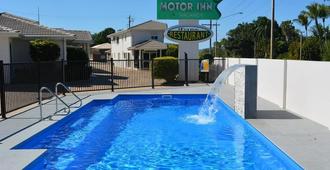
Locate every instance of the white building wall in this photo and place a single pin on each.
(145, 35)
(62, 46)
(4, 49)
(118, 49)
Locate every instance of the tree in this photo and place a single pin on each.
(324, 13)
(314, 12)
(101, 37)
(311, 49)
(240, 41)
(172, 50)
(262, 35)
(304, 21)
(288, 30)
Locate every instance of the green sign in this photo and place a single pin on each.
(188, 9)
(188, 33)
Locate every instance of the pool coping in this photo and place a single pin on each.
(309, 153)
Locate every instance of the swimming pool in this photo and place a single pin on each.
(150, 131)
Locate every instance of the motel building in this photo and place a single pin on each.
(139, 44)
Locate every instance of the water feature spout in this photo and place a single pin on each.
(208, 110)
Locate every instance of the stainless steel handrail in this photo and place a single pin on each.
(67, 89)
(40, 100)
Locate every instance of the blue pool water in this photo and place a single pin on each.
(150, 132)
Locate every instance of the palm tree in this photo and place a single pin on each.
(262, 33)
(304, 21)
(288, 30)
(324, 13)
(313, 12)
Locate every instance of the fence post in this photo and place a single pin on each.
(39, 76)
(112, 82)
(186, 69)
(2, 91)
(63, 71)
(152, 74)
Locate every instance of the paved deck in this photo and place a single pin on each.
(304, 140)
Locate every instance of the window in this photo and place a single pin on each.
(118, 56)
(154, 37)
(117, 40)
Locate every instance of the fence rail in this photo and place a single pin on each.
(20, 82)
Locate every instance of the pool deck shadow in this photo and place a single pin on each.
(275, 114)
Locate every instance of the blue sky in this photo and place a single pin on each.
(98, 14)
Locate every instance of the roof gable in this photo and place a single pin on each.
(150, 25)
(80, 35)
(30, 28)
(149, 45)
(146, 26)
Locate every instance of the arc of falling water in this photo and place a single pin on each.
(208, 110)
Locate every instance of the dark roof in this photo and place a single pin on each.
(80, 35)
(30, 28)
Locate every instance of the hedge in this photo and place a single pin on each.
(44, 50)
(166, 68)
(76, 54)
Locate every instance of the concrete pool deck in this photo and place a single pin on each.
(303, 140)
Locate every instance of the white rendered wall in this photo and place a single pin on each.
(271, 80)
(299, 86)
(231, 62)
(4, 49)
(308, 92)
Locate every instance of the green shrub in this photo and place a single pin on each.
(172, 50)
(77, 67)
(311, 49)
(294, 51)
(44, 50)
(76, 54)
(283, 56)
(166, 68)
(207, 56)
(326, 51)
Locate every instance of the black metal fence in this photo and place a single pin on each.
(20, 82)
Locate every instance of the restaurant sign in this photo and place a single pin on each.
(188, 33)
(188, 9)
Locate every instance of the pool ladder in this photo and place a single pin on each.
(57, 98)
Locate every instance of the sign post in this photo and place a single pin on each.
(188, 33)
